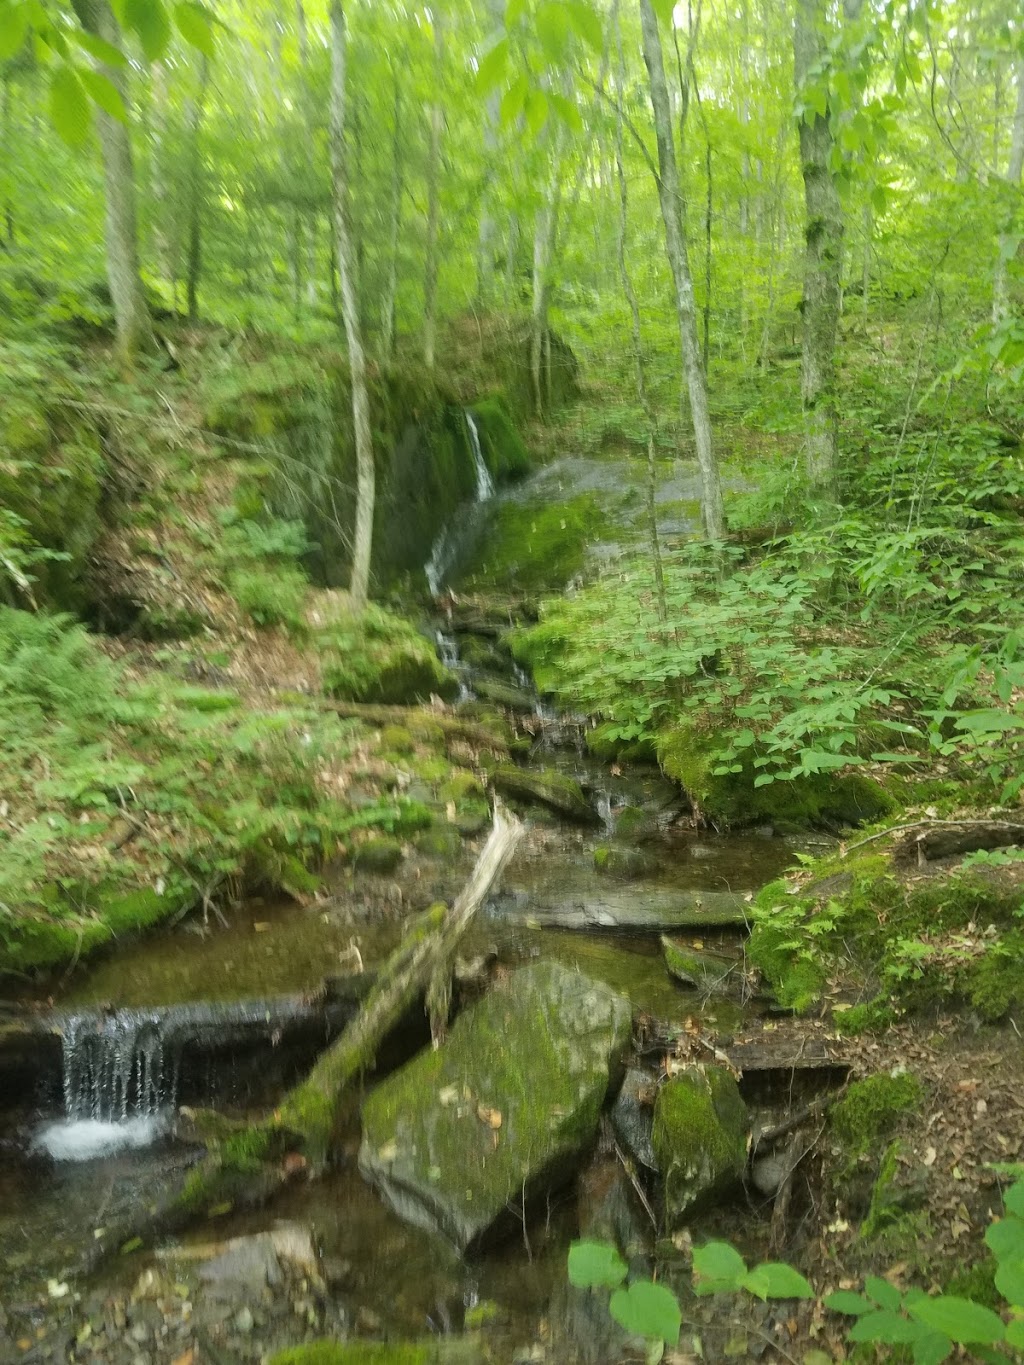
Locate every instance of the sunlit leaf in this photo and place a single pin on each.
(959, 1319)
(69, 105)
(595, 1264)
(491, 71)
(647, 1310)
(105, 94)
(148, 20)
(99, 48)
(195, 24)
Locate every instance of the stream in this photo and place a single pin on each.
(92, 1134)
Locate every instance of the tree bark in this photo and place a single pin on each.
(194, 257)
(131, 316)
(430, 266)
(823, 254)
(7, 240)
(359, 587)
(389, 303)
(670, 198)
(1000, 292)
(158, 180)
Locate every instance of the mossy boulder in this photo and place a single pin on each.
(503, 448)
(441, 842)
(544, 787)
(505, 694)
(825, 800)
(534, 546)
(447, 1351)
(624, 864)
(872, 1109)
(378, 657)
(634, 825)
(379, 855)
(504, 1110)
(701, 1126)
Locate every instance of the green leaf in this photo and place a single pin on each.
(536, 111)
(664, 10)
(959, 1319)
(1015, 1334)
(931, 1348)
(884, 1326)
(105, 93)
(513, 100)
(648, 1310)
(13, 28)
(718, 1267)
(148, 19)
(491, 71)
(195, 24)
(553, 30)
(1010, 1282)
(990, 721)
(776, 1280)
(853, 1305)
(884, 1294)
(879, 199)
(1013, 1199)
(594, 1264)
(69, 105)
(99, 48)
(1005, 1239)
(566, 111)
(586, 24)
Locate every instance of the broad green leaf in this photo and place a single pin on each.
(1005, 1239)
(13, 28)
(718, 1267)
(884, 1326)
(69, 105)
(845, 1301)
(1010, 1282)
(648, 1310)
(664, 9)
(105, 93)
(989, 721)
(148, 19)
(586, 24)
(566, 111)
(886, 1295)
(491, 71)
(513, 100)
(553, 30)
(195, 24)
(931, 1348)
(879, 199)
(1013, 1199)
(593, 1264)
(536, 110)
(1015, 1334)
(959, 1319)
(776, 1280)
(99, 48)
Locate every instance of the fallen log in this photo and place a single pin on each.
(248, 1164)
(634, 910)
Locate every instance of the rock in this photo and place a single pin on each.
(504, 694)
(380, 855)
(768, 1173)
(701, 1127)
(247, 1261)
(709, 971)
(545, 787)
(243, 1320)
(632, 1117)
(506, 1105)
(626, 864)
(638, 910)
(633, 825)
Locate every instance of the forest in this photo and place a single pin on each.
(511, 681)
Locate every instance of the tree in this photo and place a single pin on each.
(1000, 296)
(359, 585)
(671, 201)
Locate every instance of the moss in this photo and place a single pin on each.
(627, 864)
(356, 1353)
(895, 1221)
(994, 983)
(442, 842)
(504, 451)
(378, 657)
(397, 739)
(873, 1016)
(472, 816)
(633, 825)
(603, 743)
(545, 787)
(377, 855)
(531, 547)
(460, 785)
(700, 1138)
(871, 1110)
(822, 799)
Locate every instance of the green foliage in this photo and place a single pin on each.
(718, 1268)
(271, 597)
(642, 1308)
(871, 1109)
(378, 657)
(595, 1265)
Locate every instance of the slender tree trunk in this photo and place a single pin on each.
(365, 474)
(194, 259)
(487, 227)
(436, 115)
(670, 197)
(639, 374)
(389, 304)
(865, 265)
(823, 254)
(543, 230)
(158, 169)
(6, 154)
(131, 316)
(1000, 292)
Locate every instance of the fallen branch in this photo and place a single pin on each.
(1016, 831)
(248, 1164)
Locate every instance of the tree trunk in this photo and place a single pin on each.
(823, 253)
(670, 197)
(359, 587)
(389, 303)
(6, 153)
(436, 115)
(131, 316)
(158, 181)
(543, 228)
(1000, 292)
(194, 259)
(487, 227)
(639, 375)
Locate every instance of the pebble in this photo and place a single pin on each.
(244, 1321)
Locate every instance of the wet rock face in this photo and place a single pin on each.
(545, 787)
(507, 1105)
(701, 1127)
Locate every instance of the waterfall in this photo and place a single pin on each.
(118, 1084)
(447, 544)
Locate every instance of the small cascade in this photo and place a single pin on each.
(451, 538)
(603, 806)
(449, 655)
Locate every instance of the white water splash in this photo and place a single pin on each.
(446, 546)
(90, 1139)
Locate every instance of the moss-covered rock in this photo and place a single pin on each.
(634, 825)
(821, 800)
(503, 448)
(378, 657)
(545, 787)
(532, 547)
(701, 1127)
(448, 1351)
(504, 694)
(503, 1110)
(625, 864)
(379, 855)
(441, 842)
(872, 1109)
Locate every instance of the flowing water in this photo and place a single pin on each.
(449, 542)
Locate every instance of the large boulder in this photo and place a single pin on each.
(701, 1126)
(544, 787)
(503, 1110)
